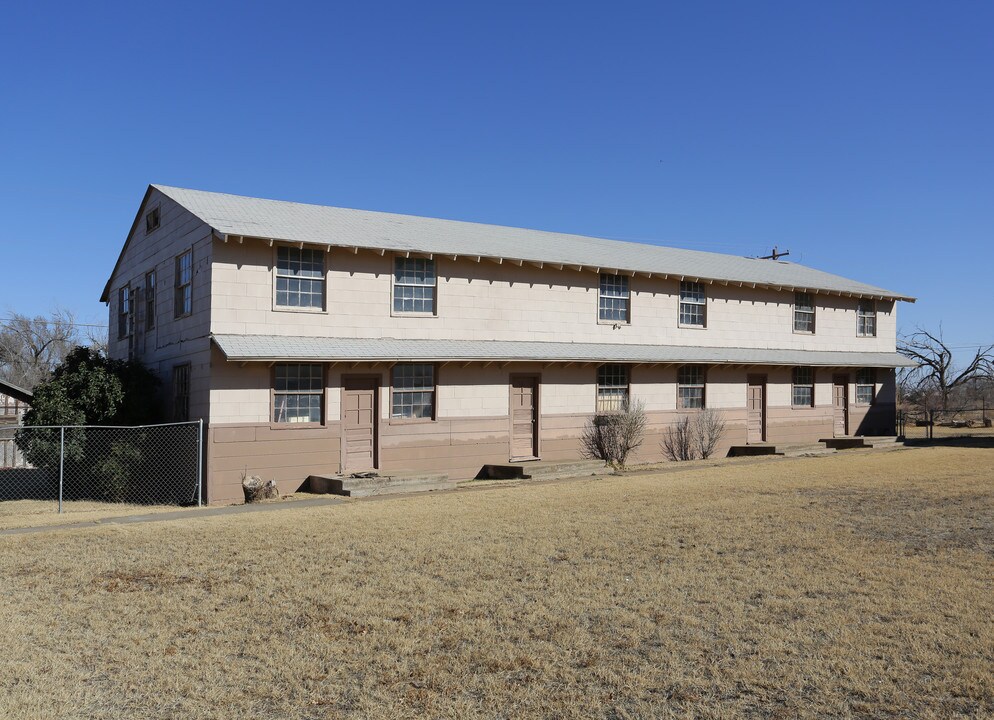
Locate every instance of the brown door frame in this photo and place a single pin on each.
(844, 377)
(760, 380)
(536, 411)
(378, 380)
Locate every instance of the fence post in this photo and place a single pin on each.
(62, 459)
(200, 462)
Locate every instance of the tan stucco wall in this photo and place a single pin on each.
(485, 301)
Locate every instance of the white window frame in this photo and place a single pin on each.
(802, 378)
(293, 386)
(614, 294)
(863, 387)
(430, 266)
(693, 300)
(183, 290)
(613, 387)
(866, 319)
(294, 280)
(407, 395)
(699, 382)
(802, 312)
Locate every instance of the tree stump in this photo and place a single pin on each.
(256, 489)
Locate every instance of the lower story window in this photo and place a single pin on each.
(612, 388)
(804, 387)
(298, 393)
(866, 379)
(690, 387)
(413, 394)
(181, 392)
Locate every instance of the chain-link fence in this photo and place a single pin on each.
(143, 465)
(922, 424)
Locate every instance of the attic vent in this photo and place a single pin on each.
(151, 220)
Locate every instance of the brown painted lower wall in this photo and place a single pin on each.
(461, 446)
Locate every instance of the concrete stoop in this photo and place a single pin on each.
(399, 482)
(753, 449)
(877, 442)
(538, 470)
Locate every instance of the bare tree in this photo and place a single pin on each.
(935, 378)
(709, 427)
(613, 437)
(678, 442)
(30, 348)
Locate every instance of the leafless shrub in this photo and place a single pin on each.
(691, 439)
(709, 427)
(678, 442)
(612, 437)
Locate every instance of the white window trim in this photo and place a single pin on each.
(393, 278)
(874, 314)
(627, 298)
(813, 312)
(326, 279)
(680, 302)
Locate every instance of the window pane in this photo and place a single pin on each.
(414, 285)
(413, 390)
(614, 297)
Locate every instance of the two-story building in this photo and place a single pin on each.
(317, 339)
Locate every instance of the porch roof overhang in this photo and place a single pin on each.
(281, 348)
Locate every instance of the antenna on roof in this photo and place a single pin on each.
(775, 255)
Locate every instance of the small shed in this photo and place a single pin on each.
(14, 402)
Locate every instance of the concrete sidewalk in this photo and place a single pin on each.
(193, 513)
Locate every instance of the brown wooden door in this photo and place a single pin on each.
(840, 399)
(359, 424)
(524, 417)
(756, 404)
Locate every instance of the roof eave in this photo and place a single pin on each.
(406, 252)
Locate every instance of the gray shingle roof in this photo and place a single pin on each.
(279, 347)
(317, 224)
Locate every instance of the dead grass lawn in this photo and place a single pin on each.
(844, 586)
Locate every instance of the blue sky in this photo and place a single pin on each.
(858, 135)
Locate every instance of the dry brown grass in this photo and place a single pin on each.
(845, 586)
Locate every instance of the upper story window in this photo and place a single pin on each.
(693, 310)
(299, 278)
(866, 318)
(803, 387)
(612, 388)
(866, 383)
(614, 298)
(298, 393)
(181, 392)
(123, 313)
(184, 284)
(414, 286)
(804, 313)
(150, 300)
(413, 395)
(152, 220)
(690, 384)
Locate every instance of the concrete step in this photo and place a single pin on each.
(753, 449)
(399, 482)
(539, 470)
(845, 443)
